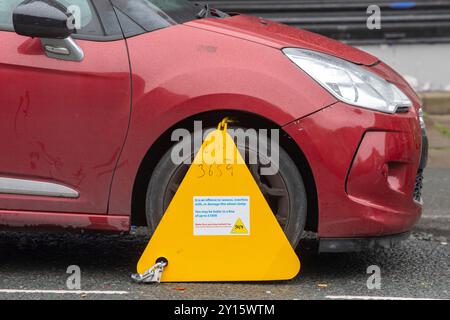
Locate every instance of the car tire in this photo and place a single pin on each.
(166, 175)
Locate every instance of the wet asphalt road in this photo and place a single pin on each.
(419, 268)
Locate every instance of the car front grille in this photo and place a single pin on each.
(418, 187)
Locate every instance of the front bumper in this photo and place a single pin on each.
(364, 164)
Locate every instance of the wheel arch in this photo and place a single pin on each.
(211, 119)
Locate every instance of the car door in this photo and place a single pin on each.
(63, 120)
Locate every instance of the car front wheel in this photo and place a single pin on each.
(284, 191)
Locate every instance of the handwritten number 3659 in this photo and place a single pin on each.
(215, 170)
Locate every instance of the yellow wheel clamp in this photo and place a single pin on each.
(218, 226)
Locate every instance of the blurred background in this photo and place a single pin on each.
(414, 39)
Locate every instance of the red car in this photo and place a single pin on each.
(92, 89)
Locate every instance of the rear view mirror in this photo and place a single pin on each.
(42, 19)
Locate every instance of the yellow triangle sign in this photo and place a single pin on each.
(219, 226)
(239, 227)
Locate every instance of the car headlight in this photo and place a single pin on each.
(349, 82)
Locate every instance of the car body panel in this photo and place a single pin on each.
(280, 36)
(62, 122)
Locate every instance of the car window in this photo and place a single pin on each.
(149, 15)
(88, 25)
(82, 8)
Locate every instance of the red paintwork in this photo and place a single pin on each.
(62, 121)
(178, 72)
(280, 36)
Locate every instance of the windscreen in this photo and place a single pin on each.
(157, 14)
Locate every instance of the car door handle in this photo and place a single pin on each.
(62, 49)
(57, 50)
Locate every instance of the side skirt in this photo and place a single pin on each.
(73, 221)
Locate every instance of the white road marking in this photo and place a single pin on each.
(64, 291)
(374, 298)
(436, 216)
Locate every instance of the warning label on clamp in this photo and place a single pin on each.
(221, 216)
